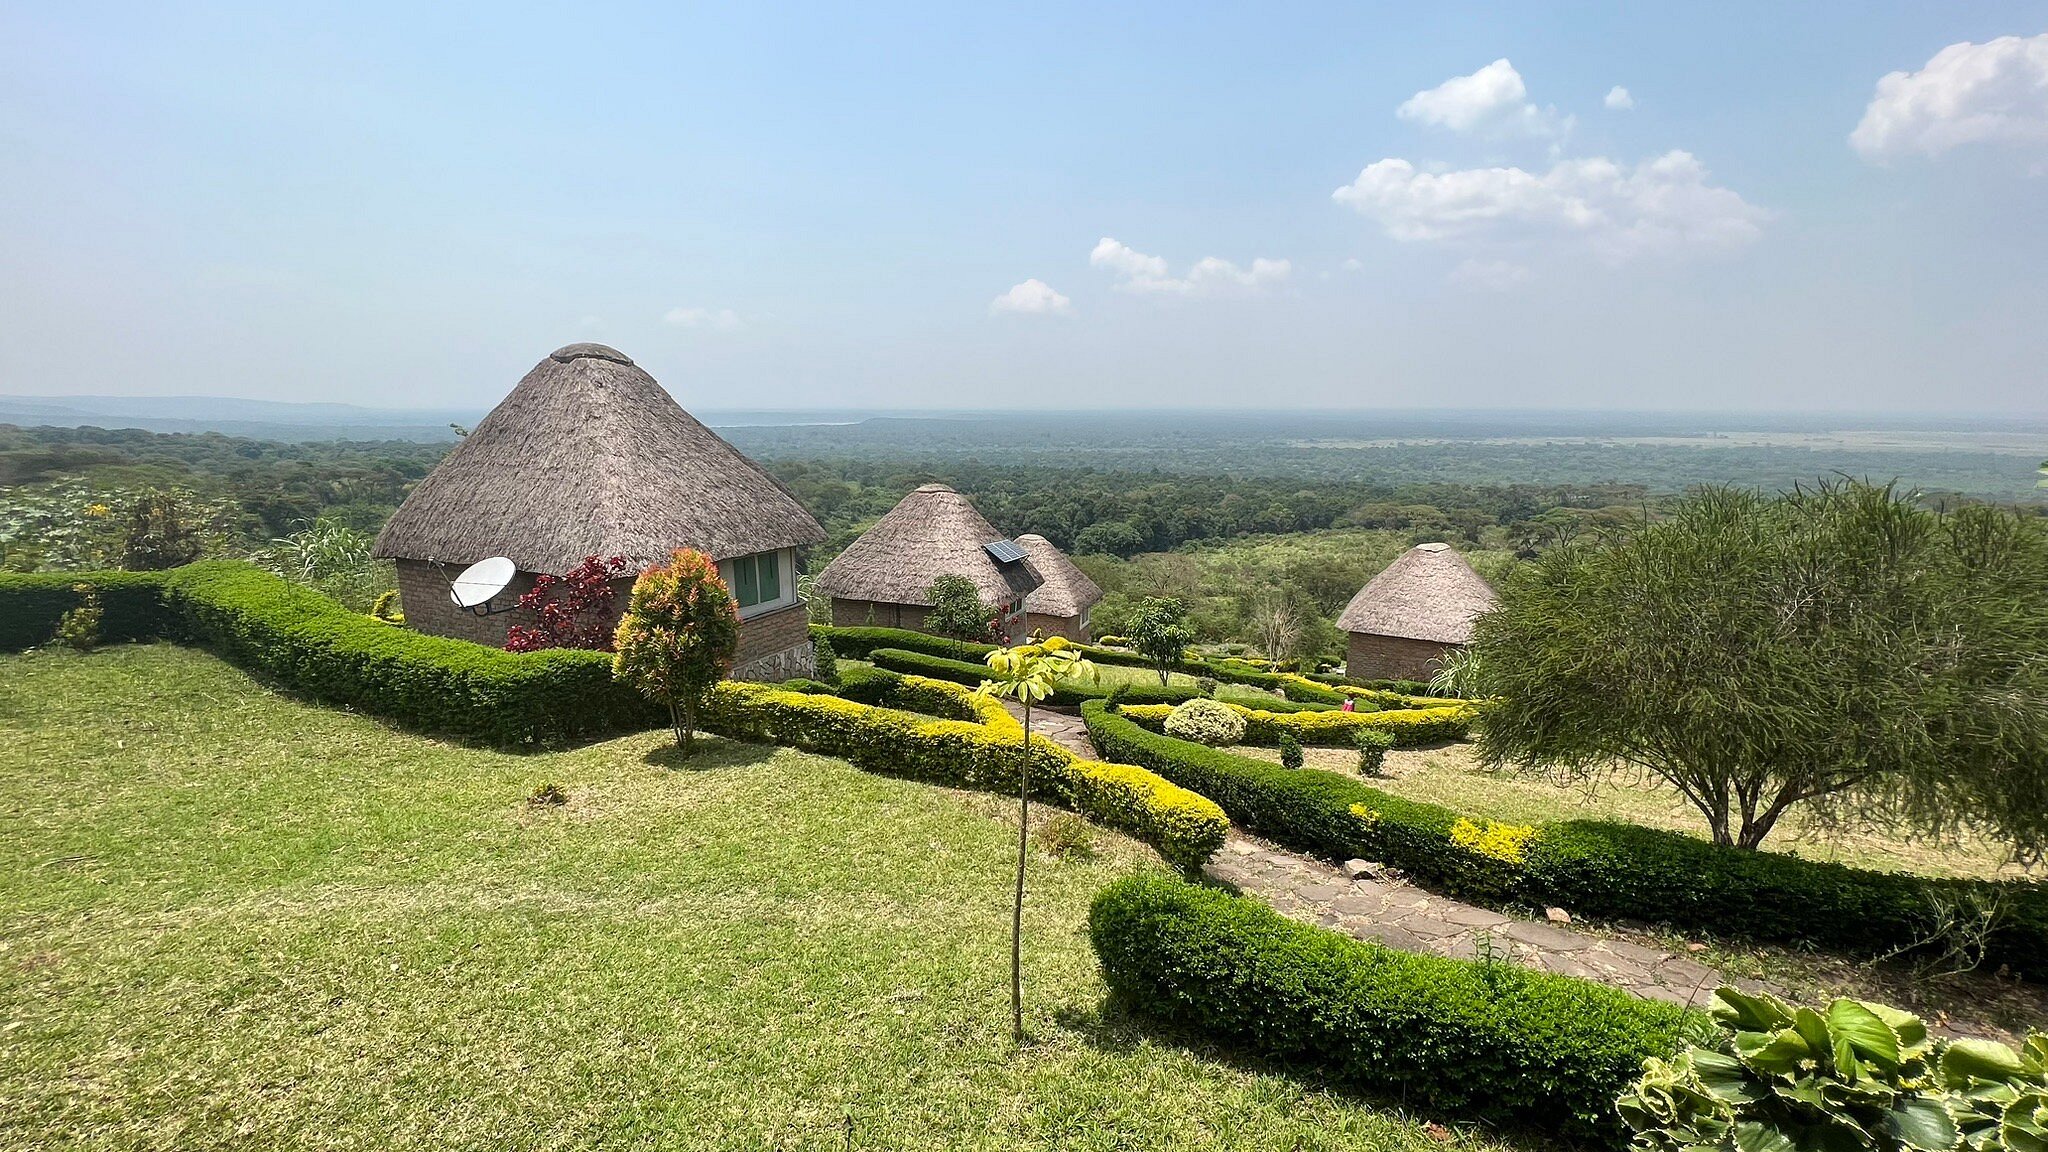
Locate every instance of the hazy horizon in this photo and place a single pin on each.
(1825, 209)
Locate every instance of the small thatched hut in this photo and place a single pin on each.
(883, 578)
(1407, 617)
(589, 456)
(1060, 606)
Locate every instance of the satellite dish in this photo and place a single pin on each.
(480, 582)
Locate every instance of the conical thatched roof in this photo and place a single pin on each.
(1067, 590)
(588, 456)
(929, 533)
(1430, 593)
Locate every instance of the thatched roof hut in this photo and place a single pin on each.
(589, 456)
(1060, 606)
(1405, 619)
(884, 577)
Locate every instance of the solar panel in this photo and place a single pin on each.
(1004, 551)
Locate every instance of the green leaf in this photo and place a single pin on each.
(1739, 1011)
(1724, 1078)
(1773, 1053)
(1922, 1123)
(1979, 1060)
(1751, 1136)
(1865, 1031)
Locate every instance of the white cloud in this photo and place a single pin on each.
(1210, 276)
(1489, 275)
(1618, 99)
(1032, 298)
(722, 319)
(1665, 205)
(1995, 92)
(1353, 264)
(1493, 99)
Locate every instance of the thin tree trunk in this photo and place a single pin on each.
(1017, 908)
(675, 721)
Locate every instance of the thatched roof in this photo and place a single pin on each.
(929, 533)
(1067, 590)
(588, 456)
(1430, 593)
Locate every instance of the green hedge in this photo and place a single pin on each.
(1591, 867)
(856, 643)
(971, 675)
(447, 687)
(1489, 1041)
(982, 754)
(1328, 727)
(31, 604)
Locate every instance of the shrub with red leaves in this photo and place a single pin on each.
(575, 608)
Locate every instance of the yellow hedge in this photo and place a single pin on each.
(1333, 729)
(1185, 827)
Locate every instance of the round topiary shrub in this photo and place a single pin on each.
(1206, 721)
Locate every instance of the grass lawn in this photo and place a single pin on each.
(231, 919)
(1111, 675)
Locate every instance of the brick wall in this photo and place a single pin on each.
(856, 614)
(1072, 627)
(772, 632)
(1373, 657)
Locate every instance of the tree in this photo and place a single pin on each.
(677, 637)
(573, 610)
(1276, 627)
(1840, 646)
(158, 535)
(1159, 631)
(958, 612)
(1027, 674)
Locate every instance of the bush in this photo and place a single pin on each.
(1487, 1040)
(1290, 751)
(1206, 722)
(1373, 746)
(1332, 728)
(1614, 870)
(825, 659)
(971, 675)
(429, 683)
(32, 605)
(1186, 828)
(386, 607)
(857, 643)
(1206, 685)
(79, 628)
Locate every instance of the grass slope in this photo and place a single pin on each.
(230, 919)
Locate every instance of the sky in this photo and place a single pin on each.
(1820, 206)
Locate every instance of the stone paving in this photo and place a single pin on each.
(1370, 902)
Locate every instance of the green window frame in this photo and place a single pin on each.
(757, 579)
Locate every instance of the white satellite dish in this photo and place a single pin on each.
(480, 582)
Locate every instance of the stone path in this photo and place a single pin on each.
(1370, 902)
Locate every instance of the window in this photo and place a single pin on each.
(756, 580)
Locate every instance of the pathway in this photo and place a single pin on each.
(1371, 902)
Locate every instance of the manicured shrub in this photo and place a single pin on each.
(825, 659)
(1205, 721)
(32, 604)
(981, 754)
(1290, 751)
(857, 643)
(1373, 746)
(1613, 870)
(428, 683)
(1463, 1038)
(79, 628)
(1332, 728)
(385, 607)
(971, 675)
(1206, 685)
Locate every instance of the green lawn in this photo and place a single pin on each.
(1111, 675)
(228, 919)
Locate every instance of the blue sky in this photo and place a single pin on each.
(1236, 205)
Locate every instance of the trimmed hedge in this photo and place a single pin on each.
(1491, 1041)
(1329, 728)
(856, 643)
(1591, 867)
(971, 675)
(1186, 828)
(431, 683)
(31, 604)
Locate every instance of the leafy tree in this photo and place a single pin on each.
(677, 637)
(158, 535)
(573, 610)
(958, 611)
(1027, 674)
(1841, 646)
(1159, 631)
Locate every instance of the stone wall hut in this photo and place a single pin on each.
(883, 579)
(1408, 617)
(589, 456)
(1060, 606)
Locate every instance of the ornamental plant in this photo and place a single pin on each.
(1373, 746)
(79, 627)
(573, 610)
(1852, 1077)
(1160, 633)
(677, 638)
(1027, 674)
(1205, 721)
(958, 612)
(1290, 751)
